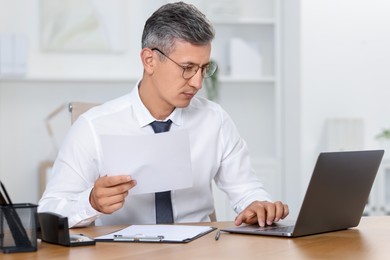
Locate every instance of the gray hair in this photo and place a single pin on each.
(176, 21)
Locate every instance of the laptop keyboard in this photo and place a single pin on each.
(277, 228)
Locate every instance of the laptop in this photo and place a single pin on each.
(335, 198)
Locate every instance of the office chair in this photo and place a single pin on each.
(77, 108)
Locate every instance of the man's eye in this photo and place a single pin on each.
(190, 68)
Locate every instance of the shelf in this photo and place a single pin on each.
(222, 79)
(68, 79)
(229, 79)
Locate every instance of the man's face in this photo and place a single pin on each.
(171, 88)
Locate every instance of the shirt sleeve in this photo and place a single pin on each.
(73, 176)
(235, 175)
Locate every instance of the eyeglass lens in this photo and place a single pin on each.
(190, 71)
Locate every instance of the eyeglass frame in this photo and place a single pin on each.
(185, 68)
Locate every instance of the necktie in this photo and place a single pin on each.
(164, 214)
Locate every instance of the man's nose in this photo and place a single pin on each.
(197, 80)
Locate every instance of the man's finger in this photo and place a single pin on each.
(110, 181)
(279, 211)
(261, 214)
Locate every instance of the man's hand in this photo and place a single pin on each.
(262, 212)
(109, 193)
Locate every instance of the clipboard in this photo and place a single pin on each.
(157, 234)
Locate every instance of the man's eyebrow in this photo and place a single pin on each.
(190, 63)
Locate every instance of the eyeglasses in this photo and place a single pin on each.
(190, 70)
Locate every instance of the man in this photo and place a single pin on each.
(176, 47)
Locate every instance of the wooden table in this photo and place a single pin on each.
(370, 240)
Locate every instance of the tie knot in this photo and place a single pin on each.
(160, 126)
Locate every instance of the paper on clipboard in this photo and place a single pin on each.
(161, 233)
(159, 162)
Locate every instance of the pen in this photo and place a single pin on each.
(217, 235)
(138, 238)
(5, 200)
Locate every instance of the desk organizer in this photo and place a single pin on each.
(18, 228)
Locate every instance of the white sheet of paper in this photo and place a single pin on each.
(159, 162)
(175, 233)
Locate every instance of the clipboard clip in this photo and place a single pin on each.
(138, 238)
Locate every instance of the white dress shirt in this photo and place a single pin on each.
(217, 152)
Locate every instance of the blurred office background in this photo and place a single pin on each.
(297, 76)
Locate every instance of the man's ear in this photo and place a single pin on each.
(148, 60)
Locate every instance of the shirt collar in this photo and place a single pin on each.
(142, 113)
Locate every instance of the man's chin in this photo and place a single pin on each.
(182, 103)
(182, 106)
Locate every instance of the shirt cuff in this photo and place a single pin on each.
(260, 196)
(85, 213)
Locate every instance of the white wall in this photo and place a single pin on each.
(345, 70)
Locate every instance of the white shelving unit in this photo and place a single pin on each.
(252, 99)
